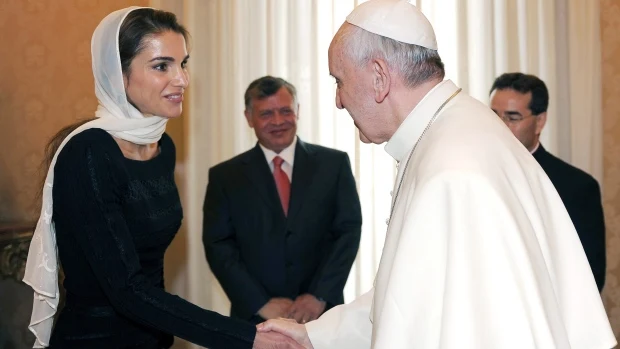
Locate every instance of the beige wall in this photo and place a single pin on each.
(610, 35)
(45, 83)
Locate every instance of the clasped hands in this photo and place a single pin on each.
(305, 308)
(285, 318)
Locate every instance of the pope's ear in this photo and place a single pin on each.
(381, 79)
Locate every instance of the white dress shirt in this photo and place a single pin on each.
(287, 154)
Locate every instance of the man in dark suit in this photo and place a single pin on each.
(521, 101)
(282, 221)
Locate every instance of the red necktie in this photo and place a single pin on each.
(282, 183)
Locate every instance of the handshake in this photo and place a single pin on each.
(284, 328)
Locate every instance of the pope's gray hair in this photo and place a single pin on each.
(415, 64)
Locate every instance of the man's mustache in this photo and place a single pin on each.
(281, 127)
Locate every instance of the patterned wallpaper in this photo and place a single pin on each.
(610, 35)
(46, 84)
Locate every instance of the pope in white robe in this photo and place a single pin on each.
(480, 252)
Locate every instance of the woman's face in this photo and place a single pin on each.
(157, 76)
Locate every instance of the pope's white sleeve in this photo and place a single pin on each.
(346, 326)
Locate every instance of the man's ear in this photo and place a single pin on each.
(541, 120)
(248, 117)
(381, 79)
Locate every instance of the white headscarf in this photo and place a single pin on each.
(118, 117)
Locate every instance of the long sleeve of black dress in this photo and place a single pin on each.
(114, 217)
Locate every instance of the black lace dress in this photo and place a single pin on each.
(114, 219)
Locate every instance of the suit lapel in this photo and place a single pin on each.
(303, 172)
(258, 172)
(540, 154)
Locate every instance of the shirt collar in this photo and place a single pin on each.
(414, 124)
(287, 154)
(535, 148)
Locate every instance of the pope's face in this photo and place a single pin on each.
(354, 93)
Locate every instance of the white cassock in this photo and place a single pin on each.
(480, 252)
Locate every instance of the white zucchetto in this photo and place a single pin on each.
(395, 19)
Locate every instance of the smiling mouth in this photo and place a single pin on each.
(176, 97)
(279, 132)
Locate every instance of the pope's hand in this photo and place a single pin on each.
(289, 328)
(274, 340)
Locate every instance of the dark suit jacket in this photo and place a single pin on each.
(581, 195)
(257, 253)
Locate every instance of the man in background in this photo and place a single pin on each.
(521, 101)
(282, 221)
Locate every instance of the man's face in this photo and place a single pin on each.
(513, 107)
(354, 94)
(274, 120)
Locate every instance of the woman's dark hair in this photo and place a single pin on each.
(140, 24)
(137, 26)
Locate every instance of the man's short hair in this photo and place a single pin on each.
(524, 83)
(415, 64)
(265, 87)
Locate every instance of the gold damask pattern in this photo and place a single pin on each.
(610, 36)
(46, 83)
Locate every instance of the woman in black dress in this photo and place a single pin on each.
(111, 206)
